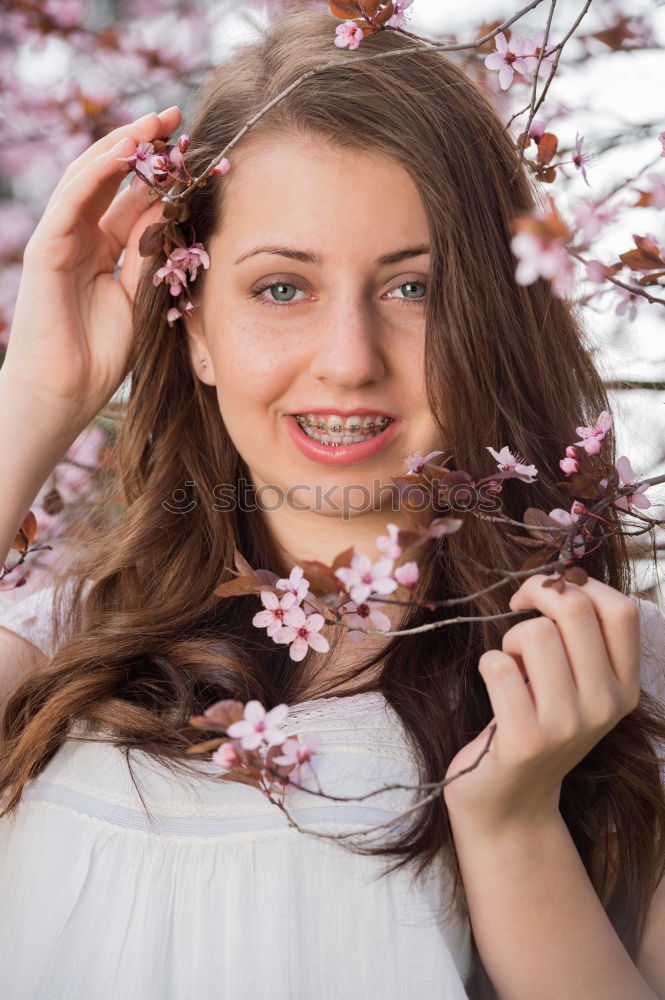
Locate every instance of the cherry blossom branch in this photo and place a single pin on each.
(559, 49)
(426, 45)
(636, 289)
(436, 789)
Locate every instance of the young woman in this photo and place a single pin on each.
(359, 267)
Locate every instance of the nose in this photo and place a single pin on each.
(348, 349)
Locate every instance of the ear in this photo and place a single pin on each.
(198, 348)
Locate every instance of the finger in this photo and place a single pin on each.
(593, 617)
(511, 702)
(125, 208)
(583, 640)
(154, 125)
(132, 263)
(539, 644)
(618, 618)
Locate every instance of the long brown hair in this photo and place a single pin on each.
(148, 644)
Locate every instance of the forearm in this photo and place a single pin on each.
(539, 925)
(32, 442)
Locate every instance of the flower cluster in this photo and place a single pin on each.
(576, 463)
(519, 55)
(254, 747)
(159, 164)
(353, 592)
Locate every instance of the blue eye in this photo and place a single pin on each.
(406, 284)
(275, 284)
(258, 293)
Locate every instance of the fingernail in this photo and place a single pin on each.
(174, 107)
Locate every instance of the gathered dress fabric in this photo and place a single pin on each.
(135, 883)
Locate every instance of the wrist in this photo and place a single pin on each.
(35, 415)
(517, 829)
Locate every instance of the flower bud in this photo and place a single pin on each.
(220, 168)
(569, 465)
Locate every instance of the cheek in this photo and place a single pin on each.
(250, 371)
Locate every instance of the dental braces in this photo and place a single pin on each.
(338, 428)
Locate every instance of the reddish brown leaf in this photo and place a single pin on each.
(241, 585)
(537, 559)
(345, 10)
(343, 559)
(321, 577)
(152, 239)
(644, 200)
(582, 486)
(575, 574)
(206, 746)
(556, 581)
(178, 211)
(615, 36)
(26, 533)
(546, 147)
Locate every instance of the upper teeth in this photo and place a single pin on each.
(335, 423)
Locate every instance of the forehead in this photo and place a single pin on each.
(303, 189)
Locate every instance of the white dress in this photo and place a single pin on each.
(214, 895)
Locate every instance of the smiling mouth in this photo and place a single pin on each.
(337, 435)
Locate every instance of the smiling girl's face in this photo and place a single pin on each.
(315, 303)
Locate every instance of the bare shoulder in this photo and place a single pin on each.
(18, 658)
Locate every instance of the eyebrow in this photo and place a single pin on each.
(309, 257)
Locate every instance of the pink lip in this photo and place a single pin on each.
(344, 413)
(348, 454)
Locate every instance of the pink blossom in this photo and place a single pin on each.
(65, 13)
(173, 275)
(272, 619)
(657, 192)
(595, 270)
(534, 45)
(407, 574)
(542, 259)
(220, 168)
(565, 519)
(302, 631)
(592, 436)
(298, 753)
(142, 160)
(641, 31)
(398, 19)
(629, 301)
(388, 544)
(85, 449)
(416, 463)
(536, 130)
(661, 139)
(349, 35)
(296, 584)
(508, 462)
(507, 59)
(627, 476)
(191, 258)
(590, 217)
(580, 158)
(173, 314)
(362, 615)
(364, 578)
(226, 755)
(569, 465)
(259, 726)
